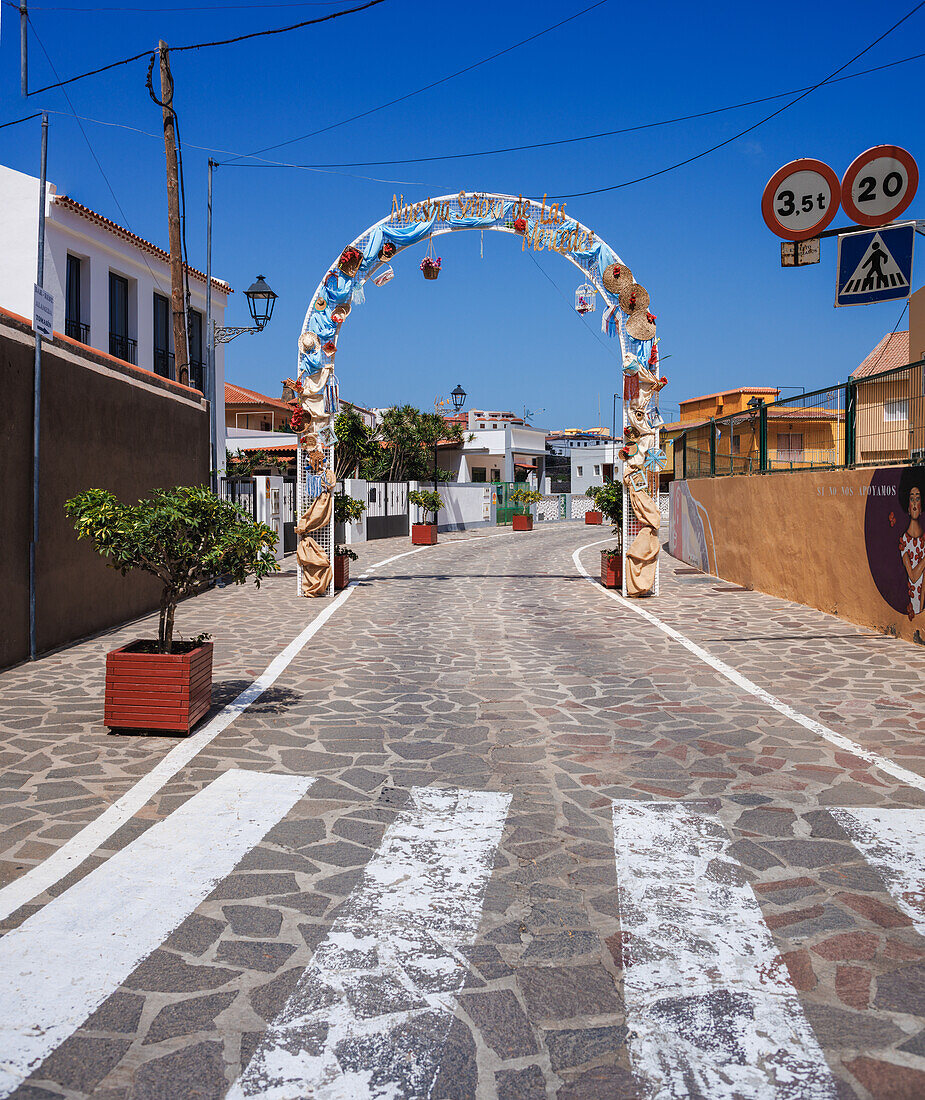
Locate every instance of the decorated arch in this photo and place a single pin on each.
(626, 316)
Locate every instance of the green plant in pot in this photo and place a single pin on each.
(430, 503)
(524, 498)
(185, 537)
(608, 500)
(347, 509)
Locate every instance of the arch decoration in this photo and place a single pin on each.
(313, 393)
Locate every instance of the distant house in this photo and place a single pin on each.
(890, 416)
(497, 446)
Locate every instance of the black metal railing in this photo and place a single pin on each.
(122, 347)
(878, 420)
(163, 363)
(77, 331)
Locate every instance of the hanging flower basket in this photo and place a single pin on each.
(430, 267)
(387, 251)
(350, 260)
(297, 419)
(329, 348)
(520, 225)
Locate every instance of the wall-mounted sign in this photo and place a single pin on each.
(43, 312)
(800, 199)
(879, 185)
(800, 253)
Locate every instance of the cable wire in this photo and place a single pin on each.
(16, 121)
(208, 45)
(181, 8)
(886, 343)
(748, 129)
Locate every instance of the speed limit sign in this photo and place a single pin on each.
(879, 185)
(800, 199)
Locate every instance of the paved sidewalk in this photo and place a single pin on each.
(482, 695)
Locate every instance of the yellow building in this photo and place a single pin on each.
(890, 415)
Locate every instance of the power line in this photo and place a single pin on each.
(209, 45)
(748, 129)
(181, 8)
(433, 84)
(16, 121)
(583, 137)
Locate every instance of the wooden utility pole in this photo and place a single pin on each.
(177, 295)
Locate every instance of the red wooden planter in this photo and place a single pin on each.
(164, 691)
(523, 523)
(594, 517)
(611, 570)
(423, 534)
(341, 570)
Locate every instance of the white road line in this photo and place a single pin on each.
(911, 779)
(893, 841)
(709, 1004)
(71, 854)
(58, 966)
(370, 1012)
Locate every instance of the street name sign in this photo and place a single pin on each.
(879, 185)
(875, 266)
(800, 199)
(43, 312)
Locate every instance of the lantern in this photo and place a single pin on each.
(585, 298)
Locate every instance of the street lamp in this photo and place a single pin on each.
(459, 399)
(260, 302)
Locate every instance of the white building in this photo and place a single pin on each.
(594, 465)
(111, 288)
(568, 439)
(497, 446)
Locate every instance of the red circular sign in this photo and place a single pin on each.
(879, 185)
(800, 199)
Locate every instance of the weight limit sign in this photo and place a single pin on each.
(801, 199)
(879, 185)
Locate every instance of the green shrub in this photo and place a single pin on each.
(526, 497)
(427, 500)
(608, 500)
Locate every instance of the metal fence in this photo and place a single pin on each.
(874, 421)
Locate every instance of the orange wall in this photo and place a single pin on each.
(805, 536)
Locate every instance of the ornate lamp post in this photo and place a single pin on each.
(459, 399)
(260, 302)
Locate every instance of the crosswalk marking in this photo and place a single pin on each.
(58, 966)
(893, 841)
(709, 1004)
(370, 1012)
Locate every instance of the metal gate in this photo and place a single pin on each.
(507, 509)
(288, 516)
(240, 490)
(387, 509)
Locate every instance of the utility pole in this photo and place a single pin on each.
(24, 47)
(37, 398)
(177, 297)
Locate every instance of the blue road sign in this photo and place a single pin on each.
(875, 266)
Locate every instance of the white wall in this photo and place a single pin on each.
(465, 506)
(586, 458)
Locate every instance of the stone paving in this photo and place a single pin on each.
(490, 664)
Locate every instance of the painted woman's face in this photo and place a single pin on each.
(915, 503)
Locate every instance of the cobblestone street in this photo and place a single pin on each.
(491, 833)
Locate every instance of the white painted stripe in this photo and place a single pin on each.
(910, 778)
(893, 841)
(370, 1012)
(71, 854)
(709, 1004)
(58, 966)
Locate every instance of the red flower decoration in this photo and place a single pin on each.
(892, 519)
(330, 347)
(650, 317)
(520, 225)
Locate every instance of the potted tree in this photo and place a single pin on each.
(524, 498)
(185, 537)
(609, 501)
(346, 510)
(430, 503)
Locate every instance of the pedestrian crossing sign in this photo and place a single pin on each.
(875, 266)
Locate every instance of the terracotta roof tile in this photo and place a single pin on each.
(67, 203)
(238, 395)
(892, 351)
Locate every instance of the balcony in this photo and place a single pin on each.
(163, 363)
(77, 331)
(122, 347)
(197, 374)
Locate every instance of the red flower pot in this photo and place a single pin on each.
(341, 570)
(164, 691)
(523, 523)
(594, 517)
(423, 534)
(611, 569)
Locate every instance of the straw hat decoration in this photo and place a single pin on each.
(641, 324)
(616, 277)
(633, 297)
(339, 313)
(309, 343)
(320, 303)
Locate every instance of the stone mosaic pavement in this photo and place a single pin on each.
(490, 665)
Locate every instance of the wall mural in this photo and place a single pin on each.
(894, 534)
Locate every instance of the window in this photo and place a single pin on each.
(163, 360)
(481, 425)
(790, 446)
(120, 344)
(579, 471)
(736, 444)
(73, 314)
(495, 475)
(478, 473)
(196, 360)
(494, 425)
(896, 410)
(597, 471)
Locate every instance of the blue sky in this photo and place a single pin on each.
(502, 324)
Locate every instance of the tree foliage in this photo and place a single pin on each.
(184, 536)
(427, 500)
(406, 438)
(608, 499)
(355, 444)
